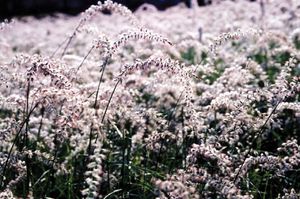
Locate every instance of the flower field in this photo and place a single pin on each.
(176, 104)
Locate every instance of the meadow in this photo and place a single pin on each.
(176, 104)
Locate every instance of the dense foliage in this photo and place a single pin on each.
(185, 103)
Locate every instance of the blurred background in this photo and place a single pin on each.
(10, 8)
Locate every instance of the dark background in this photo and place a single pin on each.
(10, 8)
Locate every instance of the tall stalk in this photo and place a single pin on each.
(68, 40)
(85, 57)
(27, 160)
(255, 139)
(108, 103)
(14, 143)
(95, 105)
